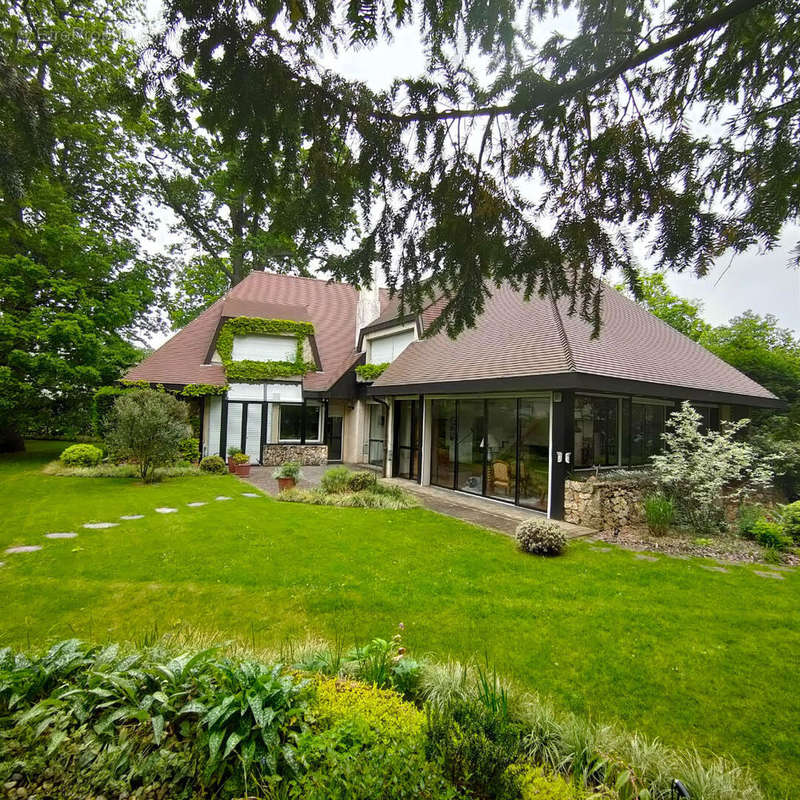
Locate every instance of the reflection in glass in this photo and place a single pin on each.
(443, 438)
(470, 445)
(534, 452)
(501, 440)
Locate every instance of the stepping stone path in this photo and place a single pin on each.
(60, 535)
(774, 575)
(132, 516)
(196, 505)
(98, 525)
(712, 568)
(600, 549)
(2, 563)
(643, 557)
(24, 548)
(250, 494)
(166, 510)
(223, 497)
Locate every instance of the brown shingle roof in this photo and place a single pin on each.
(515, 338)
(330, 307)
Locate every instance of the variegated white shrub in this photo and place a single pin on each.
(698, 470)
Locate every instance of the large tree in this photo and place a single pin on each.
(513, 157)
(75, 290)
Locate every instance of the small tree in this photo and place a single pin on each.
(147, 427)
(698, 470)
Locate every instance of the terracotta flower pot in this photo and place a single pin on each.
(243, 470)
(231, 465)
(286, 483)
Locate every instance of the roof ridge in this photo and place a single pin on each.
(562, 333)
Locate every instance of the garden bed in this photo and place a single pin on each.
(725, 548)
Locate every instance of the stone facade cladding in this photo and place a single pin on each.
(306, 454)
(602, 504)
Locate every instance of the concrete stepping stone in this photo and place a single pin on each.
(223, 497)
(24, 548)
(781, 567)
(643, 557)
(2, 563)
(600, 549)
(774, 575)
(66, 535)
(196, 505)
(132, 516)
(250, 494)
(166, 510)
(98, 525)
(712, 568)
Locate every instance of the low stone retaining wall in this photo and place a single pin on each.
(602, 505)
(306, 454)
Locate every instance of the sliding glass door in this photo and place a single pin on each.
(498, 448)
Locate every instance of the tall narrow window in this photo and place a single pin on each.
(596, 431)
(647, 425)
(443, 437)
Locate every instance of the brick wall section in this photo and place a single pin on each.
(306, 454)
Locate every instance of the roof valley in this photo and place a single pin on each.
(562, 333)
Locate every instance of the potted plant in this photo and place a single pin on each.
(287, 475)
(241, 464)
(232, 451)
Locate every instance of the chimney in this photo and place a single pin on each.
(369, 302)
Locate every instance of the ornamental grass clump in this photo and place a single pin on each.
(540, 537)
(659, 511)
(699, 471)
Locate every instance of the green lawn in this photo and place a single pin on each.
(668, 648)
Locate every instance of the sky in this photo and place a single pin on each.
(763, 282)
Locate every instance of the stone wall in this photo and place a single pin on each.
(602, 505)
(306, 454)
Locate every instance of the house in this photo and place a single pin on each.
(506, 410)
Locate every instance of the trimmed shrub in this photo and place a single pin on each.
(81, 455)
(189, 449)
(790, 516)
(214, 464)
(540, 537)
(362, 481)
(335, 480)
(770, 534)
(659, 511)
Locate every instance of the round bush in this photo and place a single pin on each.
(770, 534)
(81, 455)
(541, 537)
(362, 481)
(214, 465)
(791, 520)
(336, 480)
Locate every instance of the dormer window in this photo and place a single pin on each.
(385, 349)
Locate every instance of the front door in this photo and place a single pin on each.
(407, 439)
(333, 437)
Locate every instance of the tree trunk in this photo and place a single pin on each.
(238, 220)
(10, 440)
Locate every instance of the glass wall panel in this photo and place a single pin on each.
(596, 431)
(647, 425)
(443, 443)
(533, 476)
(501, 439)
(470, 445)
(403, 423)
(377, 434)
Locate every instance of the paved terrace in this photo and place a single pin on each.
(479, 511)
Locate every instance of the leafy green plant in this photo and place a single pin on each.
(189, 449)
(659, 511)
(790, 518)
(335, 480)
(81, 455)
(386, 497)
(362, 481)
(240, 458)
(203, 390)
(746, 518)
(233, 450)
(289, 469)
(770, 534)
(214, 464)
(369, 372)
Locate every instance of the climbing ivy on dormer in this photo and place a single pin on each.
(249, 371)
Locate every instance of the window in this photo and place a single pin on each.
(647, 425)
(443, 439)
(596, 431)
(710, 418)
(385, 349)
(291, 424)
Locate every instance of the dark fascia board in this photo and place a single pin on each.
(346, 387)
(389, 323)
(578, 381)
